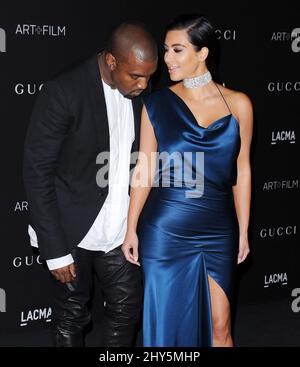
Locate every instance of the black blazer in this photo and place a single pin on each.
(68, 129)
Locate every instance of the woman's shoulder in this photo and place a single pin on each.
(238, 101)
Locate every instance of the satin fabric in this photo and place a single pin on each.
(184, 238)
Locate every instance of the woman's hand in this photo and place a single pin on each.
(243, 249)
(130, 247)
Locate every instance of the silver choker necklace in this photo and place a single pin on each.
(198, 81)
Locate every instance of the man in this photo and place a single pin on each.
(78, 223)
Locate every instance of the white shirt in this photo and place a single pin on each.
(109, 228)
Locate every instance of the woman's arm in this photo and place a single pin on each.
(141, 183)
(242, 189)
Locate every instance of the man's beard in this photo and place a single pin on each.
(132, 95)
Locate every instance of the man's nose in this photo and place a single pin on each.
(142, 84)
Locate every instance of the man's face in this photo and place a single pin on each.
(131, 75)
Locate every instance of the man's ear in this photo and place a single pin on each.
(111, 61)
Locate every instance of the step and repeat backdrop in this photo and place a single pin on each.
(260, 55)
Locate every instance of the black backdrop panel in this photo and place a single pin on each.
(259, 57)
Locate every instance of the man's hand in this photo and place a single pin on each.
(66, 274)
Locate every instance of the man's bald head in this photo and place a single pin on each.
(132, 39)
(129, 59)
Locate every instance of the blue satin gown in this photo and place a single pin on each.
(187, 233)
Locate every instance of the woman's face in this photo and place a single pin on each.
(181, 58)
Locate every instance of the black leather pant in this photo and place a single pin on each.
(121, 285)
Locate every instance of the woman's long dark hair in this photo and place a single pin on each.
(201, 33)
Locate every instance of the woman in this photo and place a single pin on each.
(191, 239)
